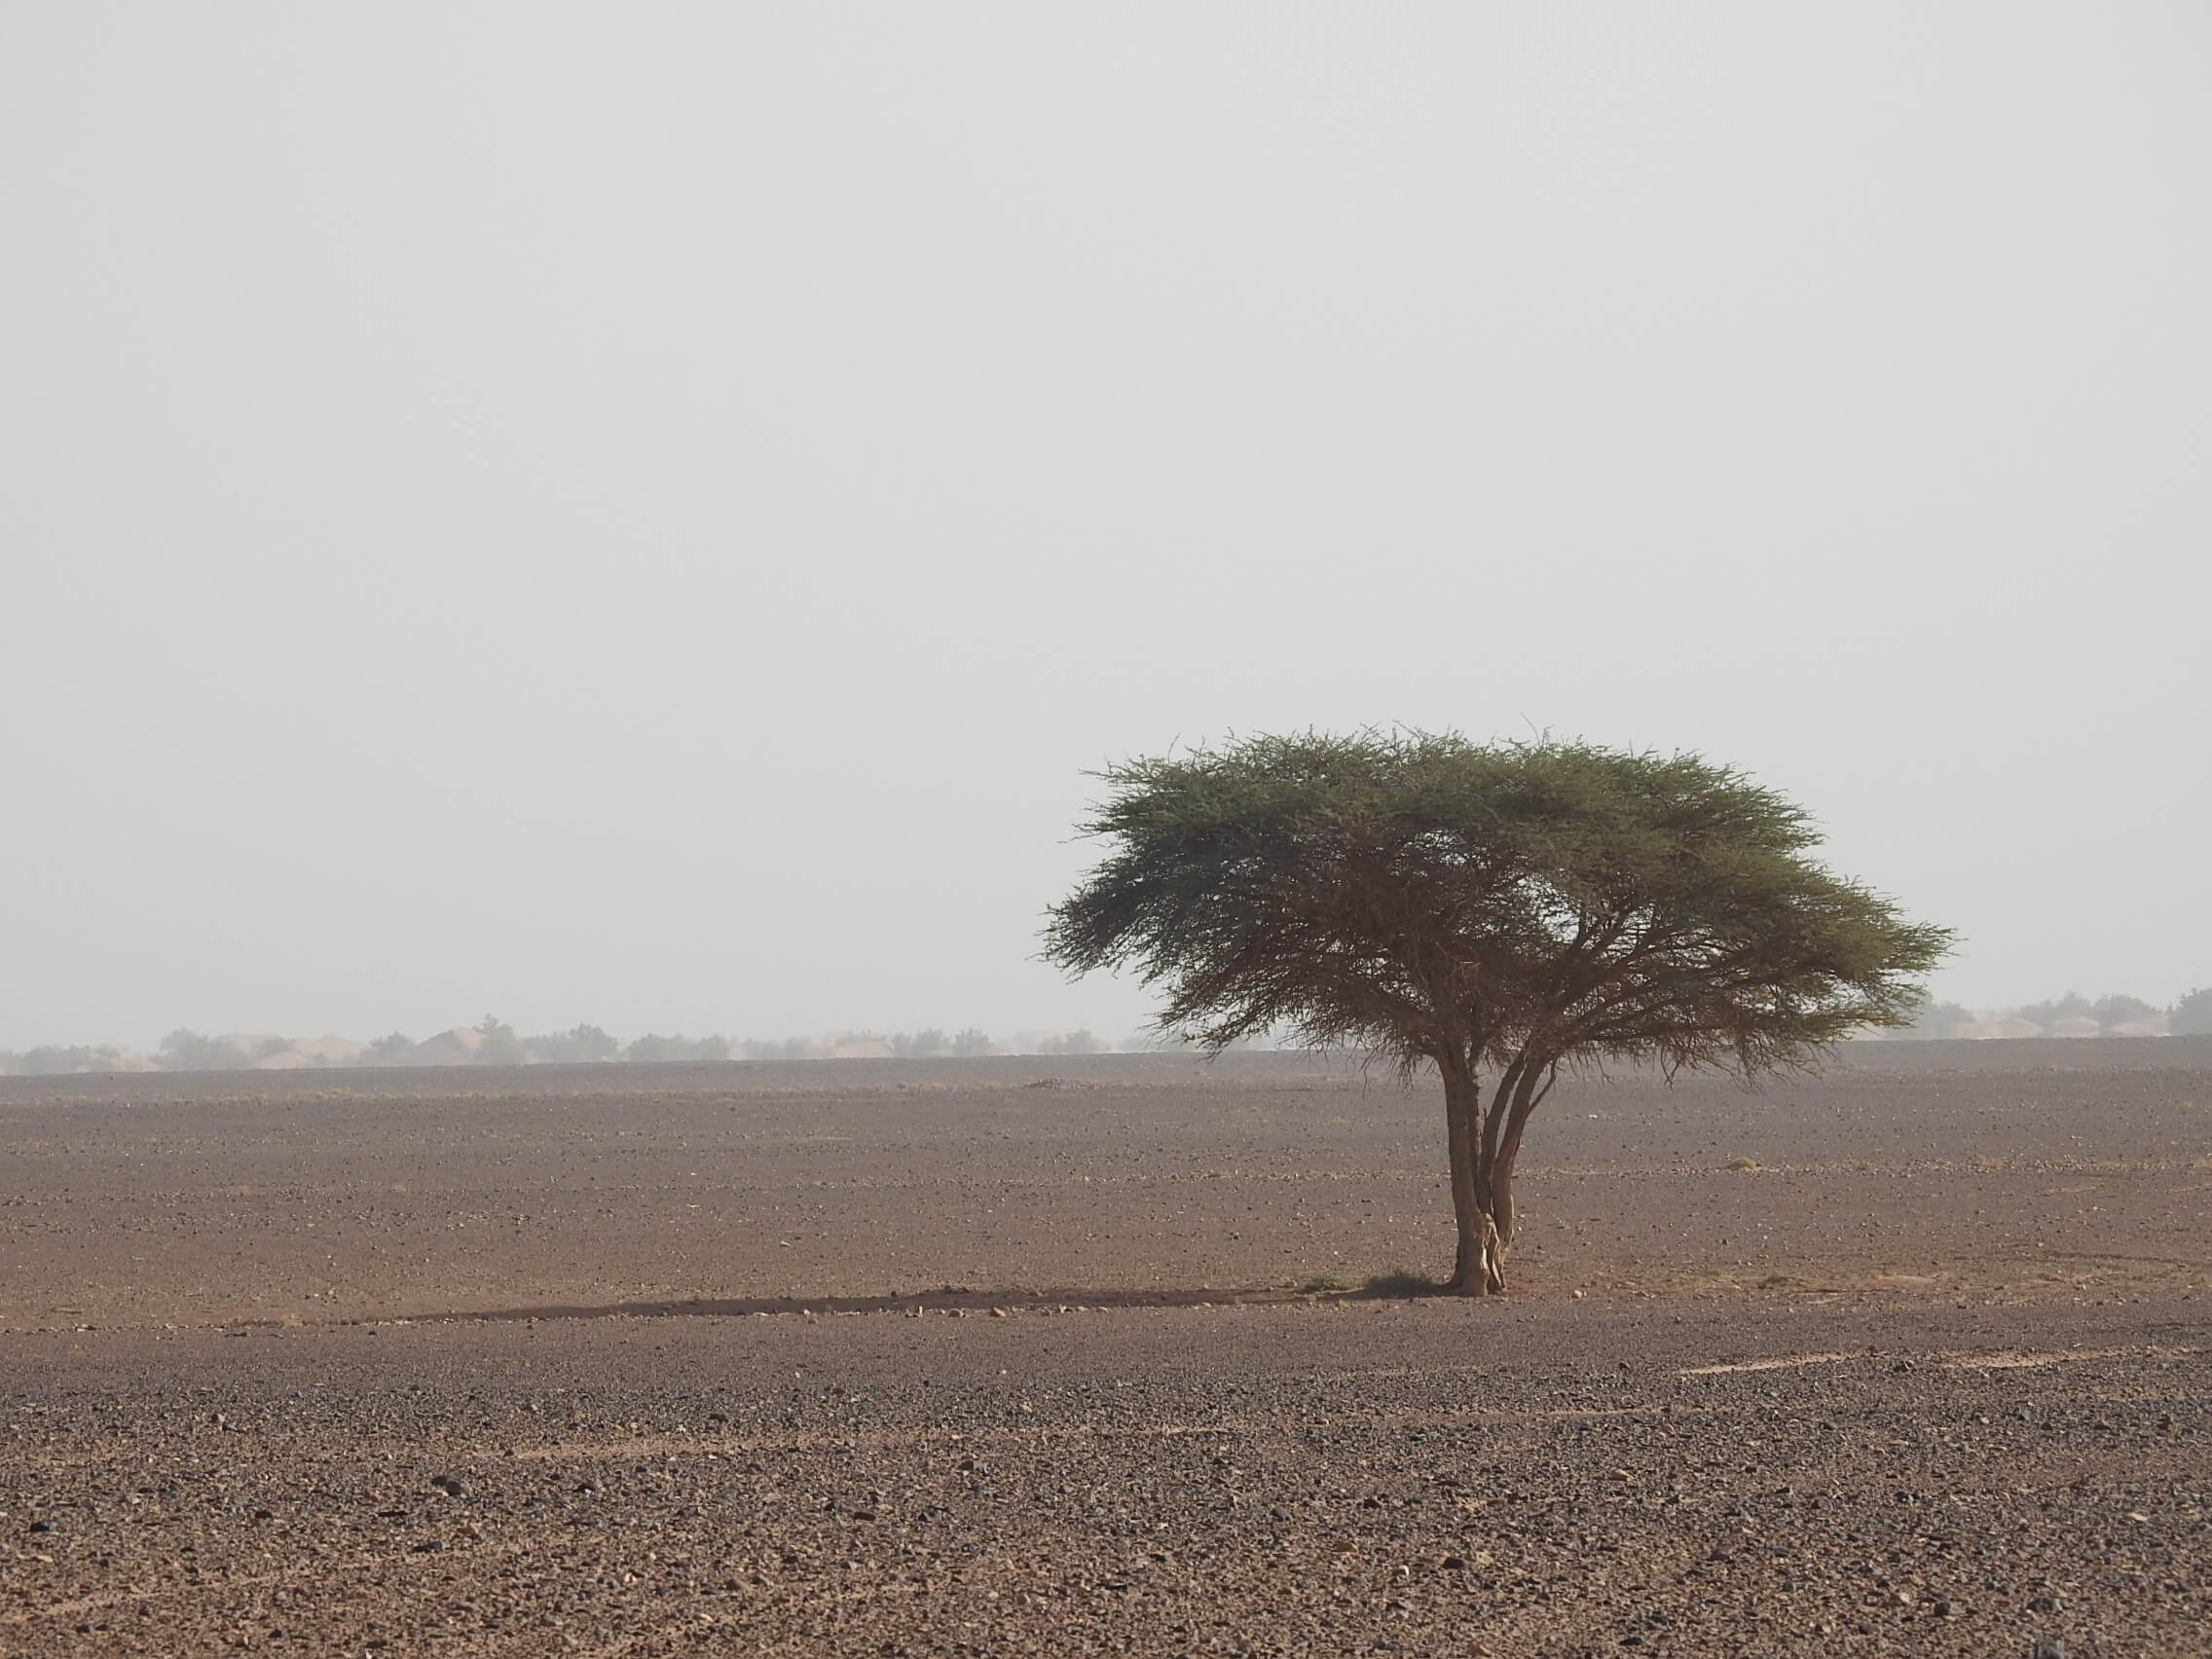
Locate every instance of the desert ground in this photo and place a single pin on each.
(1022, 1356)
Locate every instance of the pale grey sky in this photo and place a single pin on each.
(646, 514)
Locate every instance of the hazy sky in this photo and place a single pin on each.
(647, 514)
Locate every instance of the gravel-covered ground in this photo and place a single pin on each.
(869, 1359)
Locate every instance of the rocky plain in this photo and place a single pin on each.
(1105, 1355)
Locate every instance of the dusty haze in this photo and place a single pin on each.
(647, 517)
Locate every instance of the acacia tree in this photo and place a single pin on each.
(1495, 912)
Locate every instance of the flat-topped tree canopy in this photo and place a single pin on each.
(1495, 910)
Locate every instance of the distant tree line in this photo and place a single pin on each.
(927, 1044)
(2072, 1014)
(52, 1059)
(579, 1045)
(493, 1042)
(187, 1051)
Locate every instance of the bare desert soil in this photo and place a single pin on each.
(1017, 1356)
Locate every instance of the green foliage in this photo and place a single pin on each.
(500, 1046)
(2192, 1017)
(1424, 897)
(387, 1048)
(188, 1050)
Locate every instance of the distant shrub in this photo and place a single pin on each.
(2192, 1017)
(2071, 1006)
(2117, 1010)
(188, 1050)
(579, 1045)
(970, 1043)
(1074, 1043)
(500, 1046)
(387, 1048)
(1935, 1020)
(918, 1045)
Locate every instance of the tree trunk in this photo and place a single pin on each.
(1478, 1269)
(1501, 1203)
(1528, 1094)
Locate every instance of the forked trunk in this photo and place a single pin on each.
(1501, 1204)
(1479, 1267)
(1531, 1083)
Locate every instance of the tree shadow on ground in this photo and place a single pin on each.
(1399, 1284)
(946, 1299)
